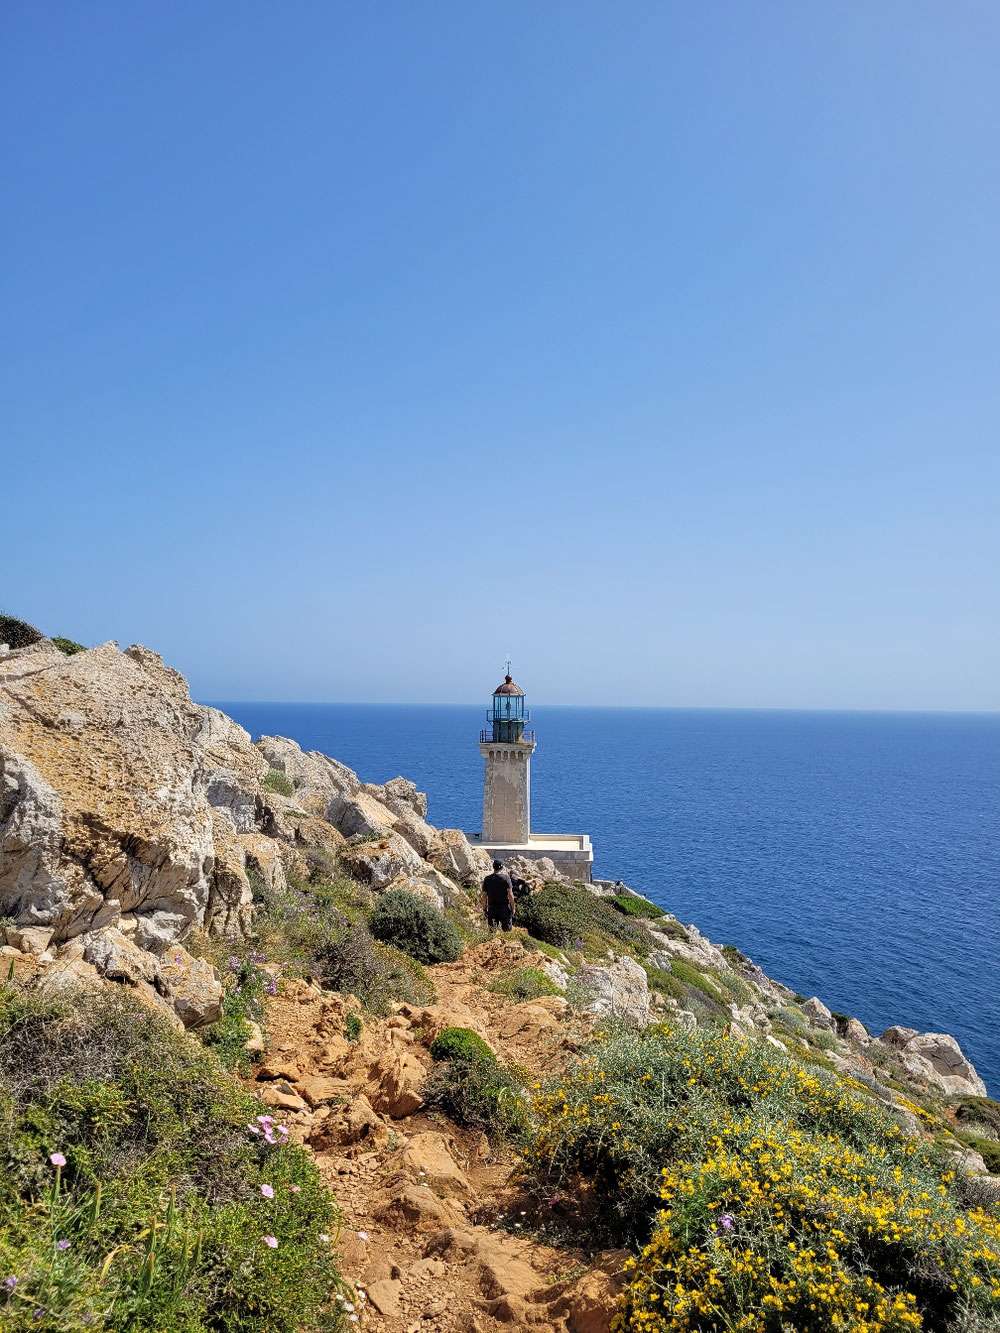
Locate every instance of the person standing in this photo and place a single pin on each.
(498, 899)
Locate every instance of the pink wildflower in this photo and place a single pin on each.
(267, 1191)
(296, 1189)
(57, 1159)
(271, 1241)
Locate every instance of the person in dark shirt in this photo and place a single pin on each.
(498, 898)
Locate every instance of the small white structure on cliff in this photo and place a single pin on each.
(507, 748)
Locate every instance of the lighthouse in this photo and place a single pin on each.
(507, 749)
(507, 744)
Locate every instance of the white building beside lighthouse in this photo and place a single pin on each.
(507, 747)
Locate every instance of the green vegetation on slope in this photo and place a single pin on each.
(143, 1189)
(766, 1196)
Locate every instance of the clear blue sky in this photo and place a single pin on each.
(351, 346)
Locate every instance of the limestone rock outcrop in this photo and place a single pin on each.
(619, 987)
(938, 1058)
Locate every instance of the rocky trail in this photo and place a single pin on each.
(431, 1220)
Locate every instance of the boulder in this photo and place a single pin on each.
(355, 1123)
(67, 975)
(428, 1159)
(109, 814)
(855, 1031)
(694, 949)
(400, 794)
(320, 782)
(407, 1207)
(234, 768)
(29, 939)
(192, 987)
(818, 1014)
(938, 1058)
(381, 861)
(361, 816)
(619, 987)
(230, 896)
(898, 1036)
(395, 1080)
(453, 854)
(116, 957)
(417, 832)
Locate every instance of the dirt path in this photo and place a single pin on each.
(431, 1224)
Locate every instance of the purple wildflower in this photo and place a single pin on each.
(11, 1282)
(727, 1222)
(234, 964)
(63, 1245)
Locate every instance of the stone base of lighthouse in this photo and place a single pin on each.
(571, 853)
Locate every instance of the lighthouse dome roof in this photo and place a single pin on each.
(508, 687)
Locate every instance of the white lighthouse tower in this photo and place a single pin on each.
(507, 747)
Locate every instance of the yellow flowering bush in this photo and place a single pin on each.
(771, 1197)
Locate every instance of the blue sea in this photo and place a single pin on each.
(854, 856)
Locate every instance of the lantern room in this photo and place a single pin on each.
(507, 715)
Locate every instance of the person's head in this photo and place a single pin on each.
(498, 865)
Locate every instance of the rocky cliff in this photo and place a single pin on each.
(130, 816)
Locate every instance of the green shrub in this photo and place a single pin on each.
(629, 905)
(402, 919)
(988, 1149)
(461, 1044)
(526, 983)
(781, 1194)
(69, 646)
(18, 633)
(665, 982)
(733, 957)
(243, 1004)
(352, 1027)
(971, 1111)
(480, 1094)
(735, 986)
(825, 1041)
(692, 976)
(572, 918)
(278, 782)
(157, 1144)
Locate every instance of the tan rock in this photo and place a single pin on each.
(453, 854)
(67, 974)
(192, 986)
(319, 1091)
(278, 1066)
(414, 1208)
(30, 939)
(380, 861)
(428, 1159)
(356, 1123)
(384, 1296)
(394, 1082)
(282, 1096)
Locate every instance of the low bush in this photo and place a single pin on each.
(526, 983)
(247, 984)
(350, 960)
(629, 905)
(979, 1111)
(69, 646)
(572, 918)
(483, 1095)
(692, 976)
(278, 782)
(988, 1149)
(143, 1189)
(18, 633)
(771, 1197)
(461, 1044)
(665, 982)
(402, 919)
